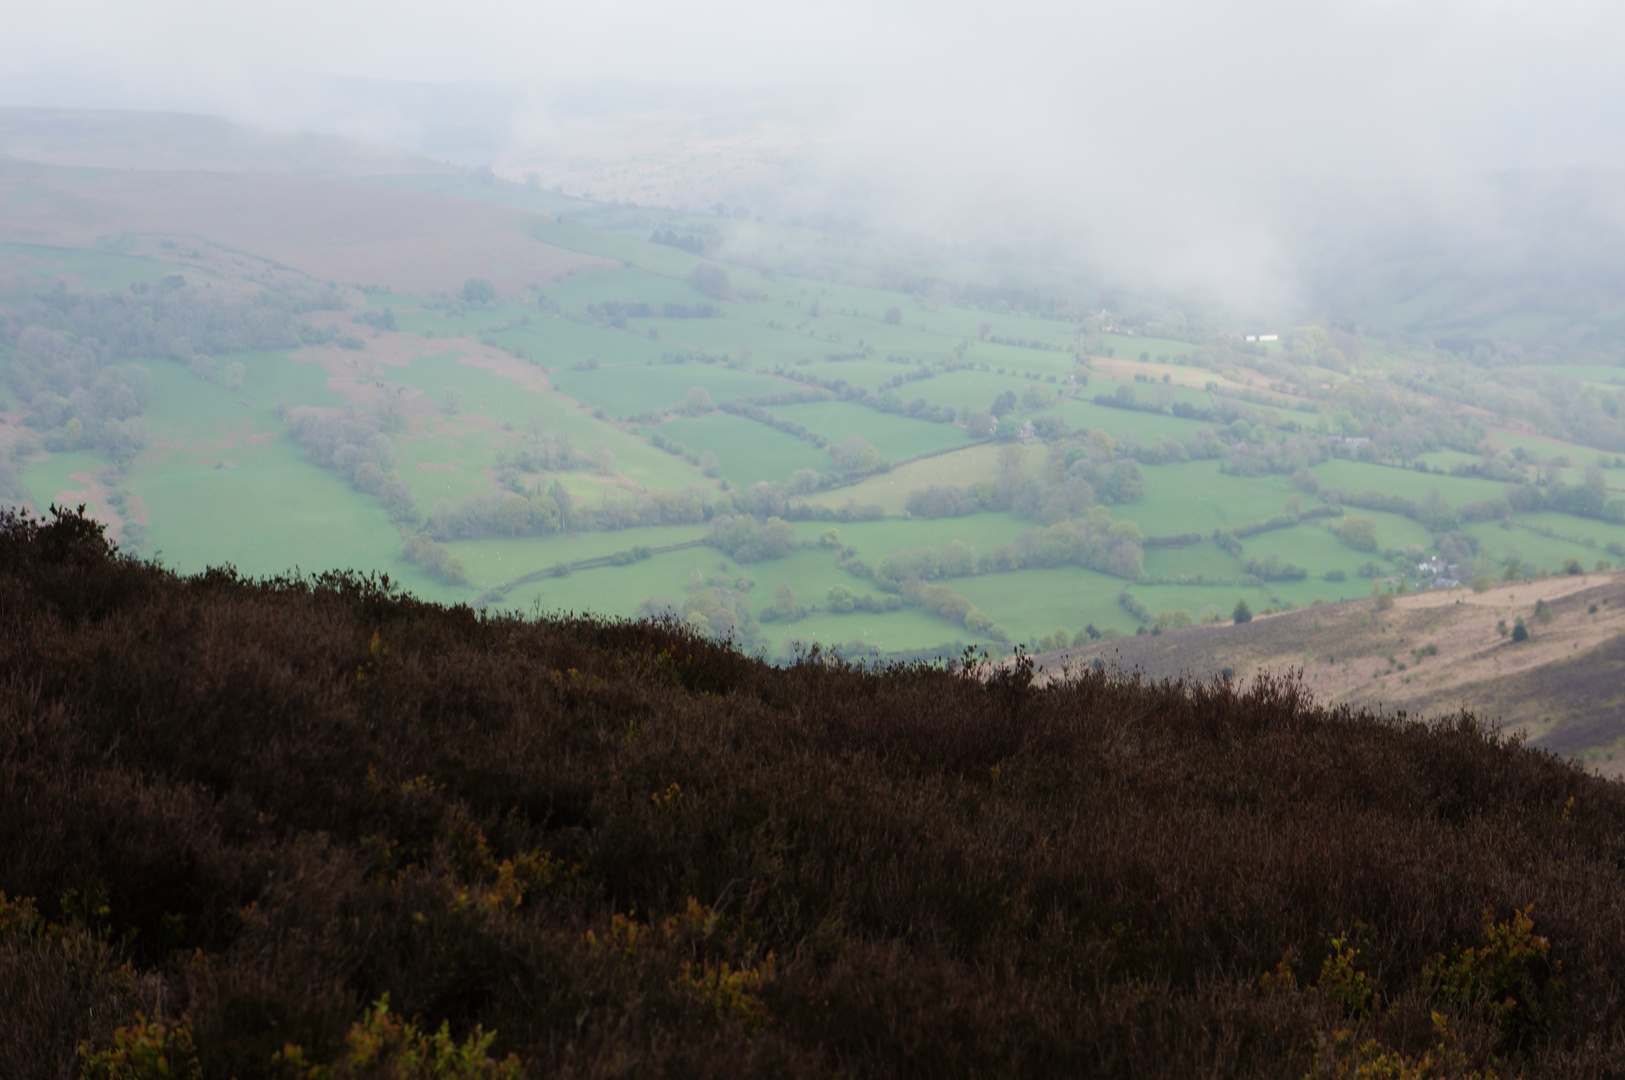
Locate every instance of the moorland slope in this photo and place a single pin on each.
(268, 825)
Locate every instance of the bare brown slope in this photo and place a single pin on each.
(173, 142)
(330, 229)
(1564, 687)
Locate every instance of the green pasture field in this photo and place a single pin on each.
(1195, 599)
(749, 343)
(868, 373)
(90, 268)
(963, 389)
(900, 339)
(1205, 558)
(810, 572)
(948, 323)
(1596, 374)
(456, 459)
(890, 490)
(557, 344)
(205, 422)
(630, 389)
(1578, 529)
(623, 283)
(896, 437)
(272, 512)
(1359, 476)
(1532, 549)
(222, 480)
(1018, 360)
(49, 479)
(747, 452)
(1034, 603)
(1157, 392)
(1194, 496)
(966, 323)
(272, 378)
(495, 560)
(1544, 447)
(984, 532)
(588, 487)
(1082, 413)
(1394, 532)
(620, 590)
(394, 301)
(449, 462)
(1317, 550)
(1129, 347)
(1194, 378)
(486, 394)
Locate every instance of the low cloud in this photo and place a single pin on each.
(1169, 142)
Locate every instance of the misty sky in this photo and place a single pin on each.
(1179, 115)
(1501, 82)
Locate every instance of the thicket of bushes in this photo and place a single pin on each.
(271, 825)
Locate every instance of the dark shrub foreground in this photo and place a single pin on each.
(309, 827)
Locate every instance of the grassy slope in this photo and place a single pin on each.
(630, 852)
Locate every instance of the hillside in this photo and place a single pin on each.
(240, 346)
(260, 824)
(1429, 654)
(242, 225)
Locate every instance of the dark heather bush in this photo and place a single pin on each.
(251, 809)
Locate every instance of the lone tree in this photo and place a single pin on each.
(1520, 632)
(855, 456)
(697, 401)
(1243, 613)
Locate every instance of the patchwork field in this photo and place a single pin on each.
(426, 373)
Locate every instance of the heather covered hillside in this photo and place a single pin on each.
(313, 827)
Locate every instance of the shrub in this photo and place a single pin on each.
(144, 1050)
(383, 1044)
(260, 805)
(1508, 977)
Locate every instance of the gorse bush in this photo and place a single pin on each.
(382, 1044)
(312, 827)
